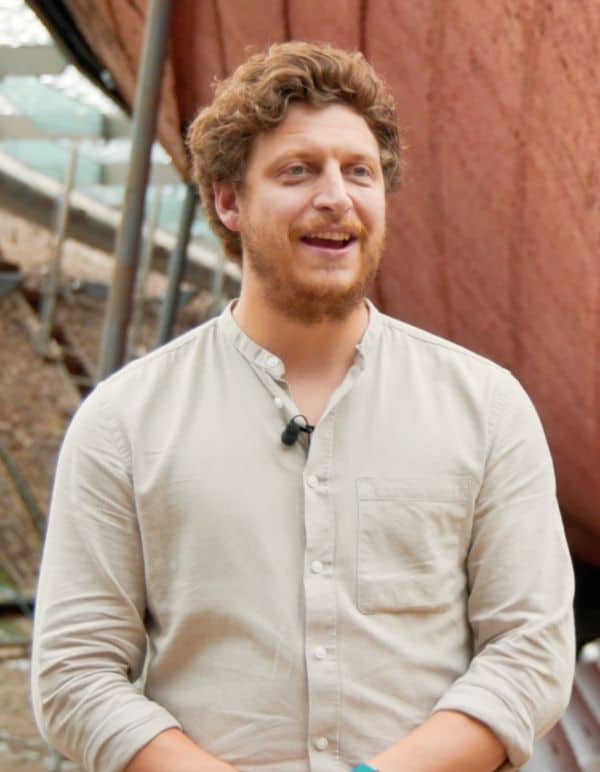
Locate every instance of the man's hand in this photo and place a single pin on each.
(172, 751)
(447, 742)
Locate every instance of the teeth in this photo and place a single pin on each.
(331, 236)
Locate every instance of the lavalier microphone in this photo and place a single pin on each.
(293, 428)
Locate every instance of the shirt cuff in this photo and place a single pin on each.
(116, 744)
(513, 731)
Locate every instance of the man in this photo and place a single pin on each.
(389, 586)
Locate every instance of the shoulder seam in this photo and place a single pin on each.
(499, 400)
(169, 348)
(431, 339)
(115, 428)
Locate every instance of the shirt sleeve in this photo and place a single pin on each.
(520, 587)
(89, 640)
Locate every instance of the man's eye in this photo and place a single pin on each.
(297, 170)
(361, 171)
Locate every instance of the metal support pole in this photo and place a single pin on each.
(176, 268)
(114, 339)
(216, 304)
(48, 309)
(144, 270)
(23, 489)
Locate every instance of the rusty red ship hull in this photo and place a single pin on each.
(494, 239)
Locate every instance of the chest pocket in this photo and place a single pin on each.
(412, 540)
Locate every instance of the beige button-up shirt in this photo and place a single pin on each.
(301, 608)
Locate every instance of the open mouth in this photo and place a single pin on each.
(335, 241)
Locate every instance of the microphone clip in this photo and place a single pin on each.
(293, 428)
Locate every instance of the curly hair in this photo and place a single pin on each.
(254, 99)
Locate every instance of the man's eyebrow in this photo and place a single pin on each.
(361, 155)
(297, 151)
(303, 152)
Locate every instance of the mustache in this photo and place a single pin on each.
(320, 224)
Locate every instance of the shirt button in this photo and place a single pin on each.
(321, 743)
(272, 361)
(316, 566)
(312, 481)
(278, 402)
(320, 652)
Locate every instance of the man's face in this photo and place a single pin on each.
(311, 212)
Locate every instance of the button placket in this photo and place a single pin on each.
(320, 598)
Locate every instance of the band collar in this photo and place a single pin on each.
(270, 362)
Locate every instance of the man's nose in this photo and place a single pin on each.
(332, 193)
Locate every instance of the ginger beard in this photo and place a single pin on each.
(296, 294)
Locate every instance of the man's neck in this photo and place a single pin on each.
(313, 349)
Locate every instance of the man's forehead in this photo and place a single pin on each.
(306, 128)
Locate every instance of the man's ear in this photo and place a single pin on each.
(227, 205)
